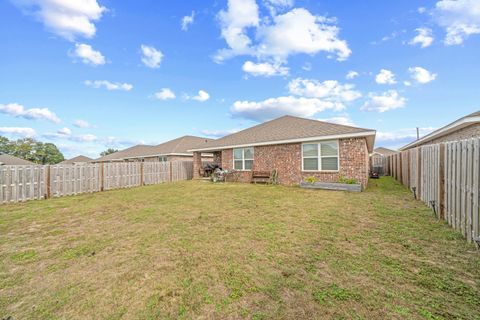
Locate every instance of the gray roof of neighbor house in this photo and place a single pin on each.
(461, 123)
(288, 129)
(77, 159)
(179, 146)
(384, 151)
(6, 159)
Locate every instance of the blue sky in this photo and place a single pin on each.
(93, 74)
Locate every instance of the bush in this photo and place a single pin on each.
(311, 179)
(342, 179)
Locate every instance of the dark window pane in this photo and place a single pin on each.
(310, 164)
(330, 163)
(248, 164)
(238, 165)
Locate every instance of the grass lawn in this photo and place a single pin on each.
(199, 250)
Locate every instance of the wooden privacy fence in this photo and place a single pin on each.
(446, 177)
(22, 183)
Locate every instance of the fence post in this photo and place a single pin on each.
(48, 186)
(102, 175)
(441, 181)
(400, 173)
(142, 180)
(171, 172)
(419, 172)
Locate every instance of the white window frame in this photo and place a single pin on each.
(319, 156)
(243, 158)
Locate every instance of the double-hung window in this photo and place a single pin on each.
(320, 156)
(243, 158)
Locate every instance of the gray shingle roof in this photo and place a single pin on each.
(6, 159)
(176, 146)
(285, 128)
(384, 151)
(77, 159)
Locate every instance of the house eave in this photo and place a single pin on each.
(457, 125)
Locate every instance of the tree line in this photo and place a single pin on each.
(31, 150)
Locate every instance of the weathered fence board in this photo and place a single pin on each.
(22, 183)
(446, 177)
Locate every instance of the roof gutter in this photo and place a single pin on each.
(267, 143)
(459, 124)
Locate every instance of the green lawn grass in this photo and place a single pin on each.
(199, 250)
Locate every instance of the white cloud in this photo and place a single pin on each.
(111, 86)
(424, 37)
(64, 131)
(82, 124)
(240, 15)
(164, 94)
(407, 83)
(187, 21)
(17, 110)
(65, 18)
(400, 137)
(386, 101)
(278, 5)
(352, 75)
(422, 75)
(264, 69)
(88, 56)
(343, 120)
(18, 131)
(279, 36)
(421, 10)
(84, 138)
(201, 96)
(275, 107)
(151, 57)
(329, 90)
(385, 77)
(459, 18)
(299, 31)
(218, 133)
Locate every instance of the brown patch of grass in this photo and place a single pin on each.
(200, 250)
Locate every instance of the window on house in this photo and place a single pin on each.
(243, 158)
(162, 158)
(320, 156)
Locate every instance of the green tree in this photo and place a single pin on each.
(31, 150)
(108, 151)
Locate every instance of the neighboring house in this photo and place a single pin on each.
(383, 151)
(172, 150)
(378, 159)
(463, 128)
(77, 160)
(297, 148)
(8, 160)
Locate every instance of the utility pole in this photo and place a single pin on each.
(418, 133)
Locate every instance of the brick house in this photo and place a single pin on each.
(173, 150)
(463, 128)
(297, 148)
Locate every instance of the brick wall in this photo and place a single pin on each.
(472, 131)
(287, 159)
